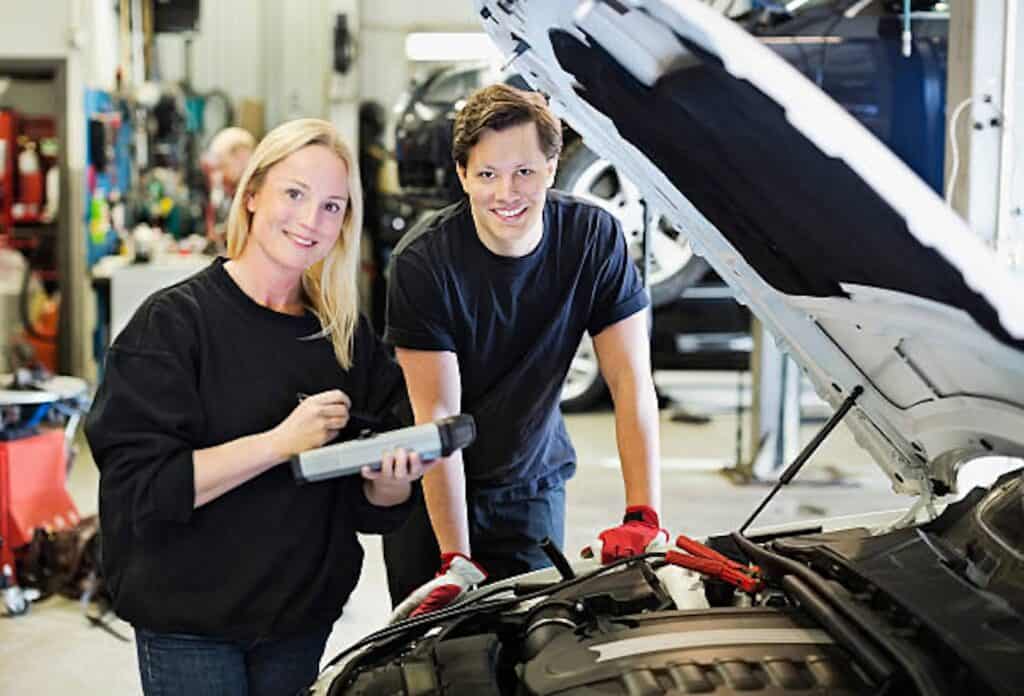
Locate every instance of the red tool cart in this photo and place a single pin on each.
(33, 472)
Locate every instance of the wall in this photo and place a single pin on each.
(36, 29)
(227, 51)
(384, 70)
(280, 51)
(275, 50)
(985, 64)
(78, 34)
(270, 50)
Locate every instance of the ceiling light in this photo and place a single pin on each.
(449, 46)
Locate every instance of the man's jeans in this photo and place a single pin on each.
(506, 527)
(172, 664)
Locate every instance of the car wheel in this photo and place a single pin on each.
(583, 385)
(673, 265)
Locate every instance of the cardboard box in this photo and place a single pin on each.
(251, 116)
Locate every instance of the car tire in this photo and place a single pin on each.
(674, 267)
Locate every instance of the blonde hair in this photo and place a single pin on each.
(330, 284)
(230, 139)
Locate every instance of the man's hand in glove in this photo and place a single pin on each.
(639, 529)
(458, 573)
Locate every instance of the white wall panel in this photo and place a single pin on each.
(296, 38)
(227, 51)
(37, 29)
(383, 69)
(436, 14)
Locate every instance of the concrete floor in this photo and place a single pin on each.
(54, 650)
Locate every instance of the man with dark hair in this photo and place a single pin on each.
(487, 302)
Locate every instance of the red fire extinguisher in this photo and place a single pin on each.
(30, 182)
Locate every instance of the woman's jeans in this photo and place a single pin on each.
(174, 664)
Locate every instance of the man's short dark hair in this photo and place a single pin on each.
(499, 107)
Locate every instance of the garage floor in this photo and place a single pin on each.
(54, 650)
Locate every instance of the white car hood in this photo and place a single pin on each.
(861, 272)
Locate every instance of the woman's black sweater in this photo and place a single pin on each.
(200, 364)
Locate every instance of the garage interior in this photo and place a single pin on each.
(108, 108)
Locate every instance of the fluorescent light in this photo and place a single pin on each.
(449, 46)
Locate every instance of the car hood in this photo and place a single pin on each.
(857, 268)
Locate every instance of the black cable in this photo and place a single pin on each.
(471, 605)
(923, 680)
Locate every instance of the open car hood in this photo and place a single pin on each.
(857, 268)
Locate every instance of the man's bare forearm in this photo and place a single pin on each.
(435, 390)
(444, 489)
(624, 355)
(636, 433)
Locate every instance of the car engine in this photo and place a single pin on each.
(926, 609)
(613, 633)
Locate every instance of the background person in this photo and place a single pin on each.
(230, 572)
(224, 162)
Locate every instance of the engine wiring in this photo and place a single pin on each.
(473, 604)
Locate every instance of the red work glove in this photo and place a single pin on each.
(640, 527)
(458, 574)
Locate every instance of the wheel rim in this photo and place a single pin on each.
(583, 371)
(602, 184)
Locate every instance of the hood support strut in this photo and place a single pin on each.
(804, 455)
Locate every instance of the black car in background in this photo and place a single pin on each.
(850, 50)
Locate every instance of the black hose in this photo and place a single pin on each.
(875, 663)
(778, 565)
(557, 558)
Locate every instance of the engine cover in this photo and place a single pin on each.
(718, 651)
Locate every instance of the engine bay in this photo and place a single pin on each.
(843, 612)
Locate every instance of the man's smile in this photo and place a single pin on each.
(510, 214)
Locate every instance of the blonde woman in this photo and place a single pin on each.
(230, 573)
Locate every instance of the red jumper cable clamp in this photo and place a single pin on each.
(706, 561)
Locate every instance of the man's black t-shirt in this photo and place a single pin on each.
(514, 323)
(199, 364)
